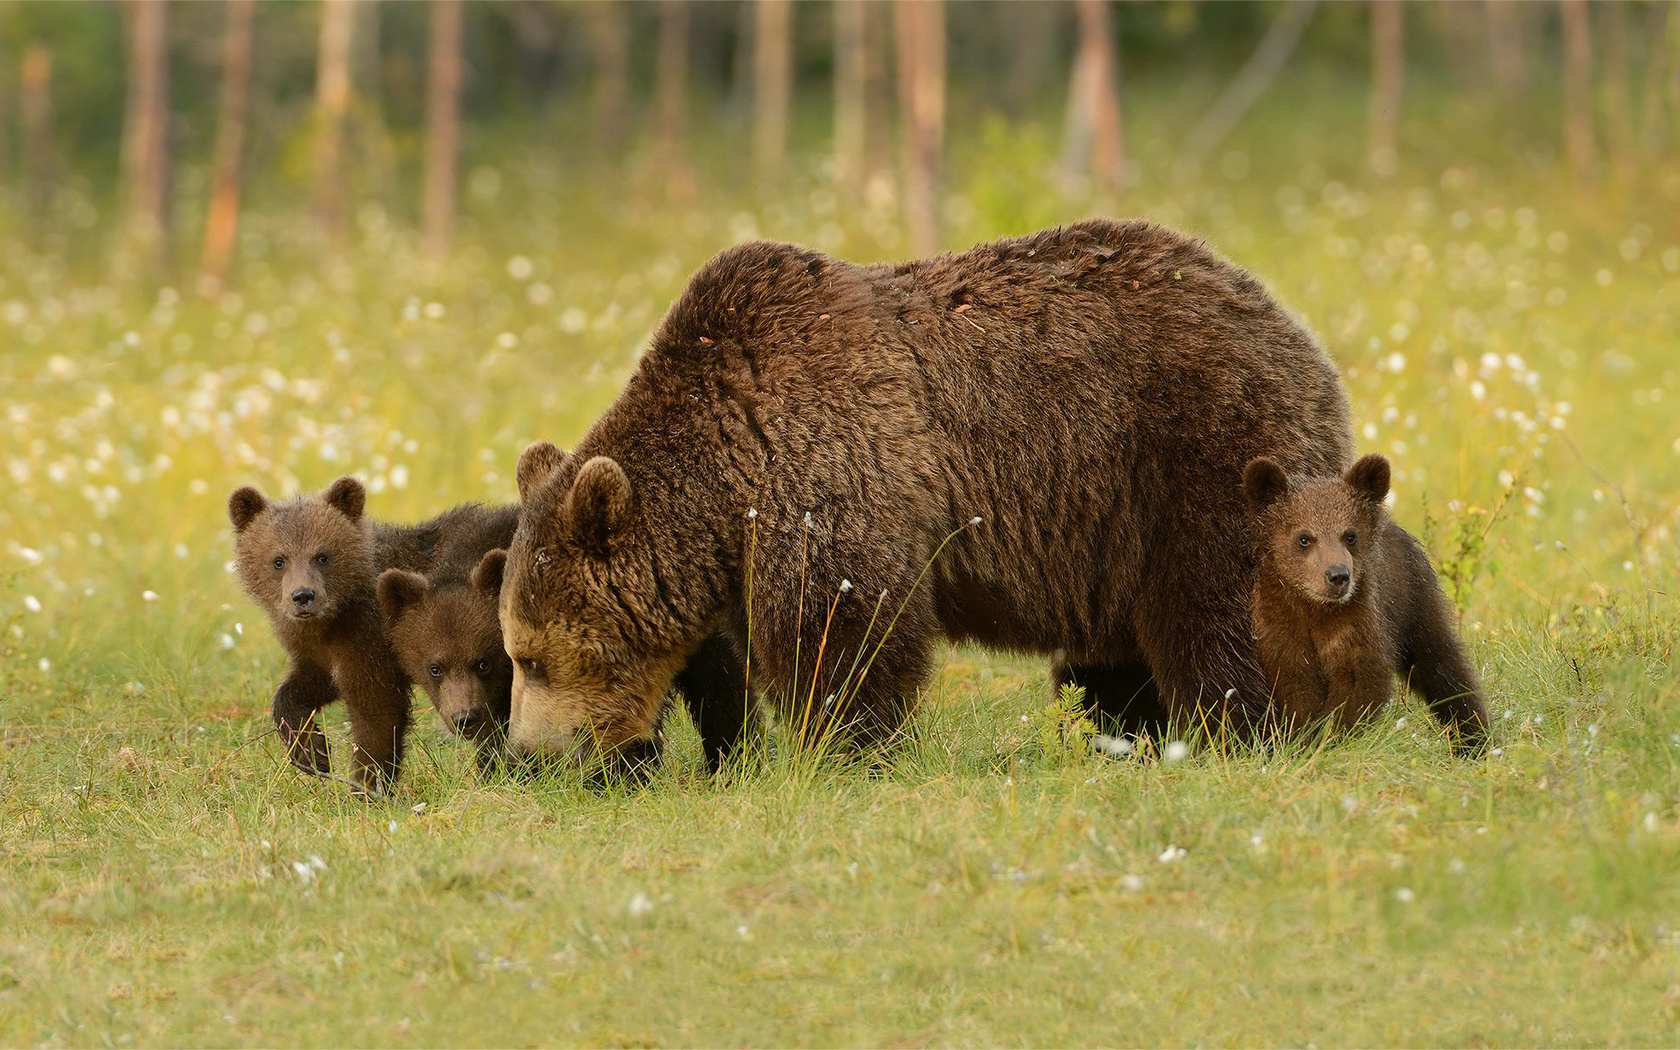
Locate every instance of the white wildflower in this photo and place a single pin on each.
(1175, 750)
(32, 603)
(1172, 854)
(639, 905)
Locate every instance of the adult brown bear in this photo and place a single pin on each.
(803, 433)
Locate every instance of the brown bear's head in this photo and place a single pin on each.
(1318, 534)
(447, 638)
(594, 635)
(301, 559)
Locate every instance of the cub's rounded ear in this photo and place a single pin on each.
(1264, 482)
(400, 589)
(537, 464)
(486, 576)
(244, 506)
(599, 504)
(348, 496)
(1369, 477)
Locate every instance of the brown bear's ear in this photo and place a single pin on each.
(1369, 477)
(348, 496)
(1264, 482)
(599, 503)
(244, 506)
(486, 576)
(537, 463)
(400, 589)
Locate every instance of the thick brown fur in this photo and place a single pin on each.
(443, 628)
(311, 563)
(1091, 393)
(1344, 600)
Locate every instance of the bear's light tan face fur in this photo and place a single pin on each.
(1318, 534)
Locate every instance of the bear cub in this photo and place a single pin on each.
(311, 563)
(1344, 600)
(444, 629)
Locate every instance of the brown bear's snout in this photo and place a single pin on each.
(1337, 578)
(468, 721)
(303, 598)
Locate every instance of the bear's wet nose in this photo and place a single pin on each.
(303, 596)
(466, 720)
(1337, 576)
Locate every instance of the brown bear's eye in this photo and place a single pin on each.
(1304, 540)
(279, 563)
(1350, 539)
(321, 559)
(436, 671)
(483, 666)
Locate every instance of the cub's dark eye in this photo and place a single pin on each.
(1304, 541)
(436, 671)
(279, 563)
(321, 558)
(1350, 538)
(483, 666)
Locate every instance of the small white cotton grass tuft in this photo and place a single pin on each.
(845, 586)
(1175, 750)
(32, 603)
(148, 596)
(808, 522)
(1132, 882)
(976, 520)
(31, 555)
(1117, 746)
(639, 905)
(43, 665)
(1650, 821)
(1405, 895)
(1229, 693)
(1172, 854)
(225, 640)
(752, 514)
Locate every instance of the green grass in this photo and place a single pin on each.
(1508, 340)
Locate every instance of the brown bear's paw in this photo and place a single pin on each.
(307, 749)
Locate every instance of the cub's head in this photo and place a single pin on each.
(301, 559)
(447, 638)
(1318, 533)
(595, 638)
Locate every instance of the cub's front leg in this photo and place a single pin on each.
(308, 688)
(375, 692)
(1360, 678)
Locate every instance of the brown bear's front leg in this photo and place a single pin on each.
(714, 686)
(307, 688)
(375, 695)
(1431, 658)
(1361, 682)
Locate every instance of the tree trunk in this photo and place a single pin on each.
(332, 100)
(772, 85)
(1092, 138)
(223, 221)
(1618, 97)
(609, 38)
(1250, 83)
(1655, 123)
(1505, 45)
(1388, 71)
(878, 147)
(921, 85)
(35, 105)
(671, 90)
(851, 72)
(1577, 91)
(443, 121)
(145, 132)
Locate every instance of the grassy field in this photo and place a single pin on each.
(1507, 338)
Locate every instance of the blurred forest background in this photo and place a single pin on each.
(136, 135)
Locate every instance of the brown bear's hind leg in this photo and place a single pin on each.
(714, 687)
(307, 688)
(1121, 697)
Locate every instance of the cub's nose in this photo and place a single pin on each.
(467, 721)
(303, 597)
(1337, 577)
